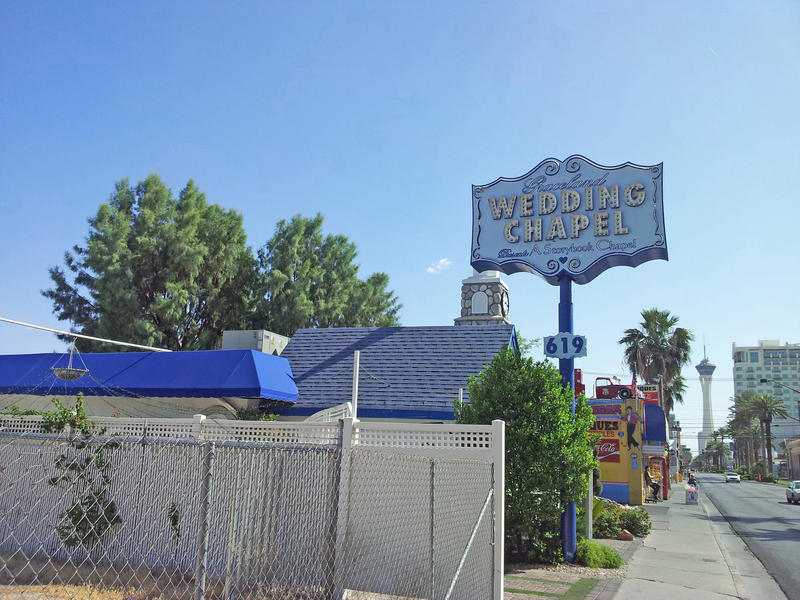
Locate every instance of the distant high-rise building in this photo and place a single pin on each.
(779, 368)
(706, 370)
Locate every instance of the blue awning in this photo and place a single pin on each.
(201, 374)
(655, 424)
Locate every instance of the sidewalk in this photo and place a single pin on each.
(692, 552)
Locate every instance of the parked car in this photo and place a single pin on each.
(732, 476)
(793, 492)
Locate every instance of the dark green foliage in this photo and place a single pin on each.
(174, 516)
(598, 556)
(253, 414)
(597, 485)
(659, 349)
(88, 518)
(548, 450)
(607, 524)
(157, 270)
(310, 280)
(85, 474)
(15, 411)
(74, 419)
(611, 518)
(176, 272)
(636, 520)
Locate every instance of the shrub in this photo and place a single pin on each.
(606, 525)
(254, 414)
(636, 520)
(770, 478)
(548, 451)
(592, 554)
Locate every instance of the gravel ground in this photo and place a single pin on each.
(571, 573)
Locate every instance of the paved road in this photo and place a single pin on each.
(770, 526)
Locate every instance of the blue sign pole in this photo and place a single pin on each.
(566, 367)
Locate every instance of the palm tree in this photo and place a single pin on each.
(743, 428)
(713, 447)
(764, 407)
(673, 392)
(657, 351)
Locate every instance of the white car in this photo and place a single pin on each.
(731, 476)
(793, 492)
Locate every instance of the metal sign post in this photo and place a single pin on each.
(569, 221)
(566, 367)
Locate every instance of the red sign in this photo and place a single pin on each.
(608, 451)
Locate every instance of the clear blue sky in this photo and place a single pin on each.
(381, 115)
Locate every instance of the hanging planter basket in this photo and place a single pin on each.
(69, 373)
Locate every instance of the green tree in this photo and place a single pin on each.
(548, 449)
(657, 351)
(743, 428)
(310, 280)
(764, 407)
(157, 270)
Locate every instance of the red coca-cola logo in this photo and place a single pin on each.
(608, 451)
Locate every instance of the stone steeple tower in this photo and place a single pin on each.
(484, 300)
(706, 370)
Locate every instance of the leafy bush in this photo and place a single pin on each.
(254, 414)
(636, 520)
(757, 469)
(548, 450)
(770, 478)
(592, 554)
(607, 525)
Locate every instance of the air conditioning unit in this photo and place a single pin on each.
(254, 339)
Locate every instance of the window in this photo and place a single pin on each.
(480, 303)
(754, 357)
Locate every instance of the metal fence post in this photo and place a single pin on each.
(433, 522)
(343, 503)
(499, 506)
(204, 521)
(589, 506)
(197, 426)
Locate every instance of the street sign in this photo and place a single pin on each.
(565, 345)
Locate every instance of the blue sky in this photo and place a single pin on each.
(381, 115)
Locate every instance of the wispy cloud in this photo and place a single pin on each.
(439, 266)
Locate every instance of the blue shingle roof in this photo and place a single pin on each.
(412, 372)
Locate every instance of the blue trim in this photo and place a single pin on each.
(566, 367)
(618, 492)
(655, 424)
(368, 413)
(603, 401)
(189, 374)
(514, 342)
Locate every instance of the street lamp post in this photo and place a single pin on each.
(780, 383)
(764, 380)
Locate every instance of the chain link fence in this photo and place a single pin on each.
(191, 519)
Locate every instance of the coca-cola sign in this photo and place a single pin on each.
(608, 451)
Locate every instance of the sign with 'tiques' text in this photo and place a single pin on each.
(571, 218)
